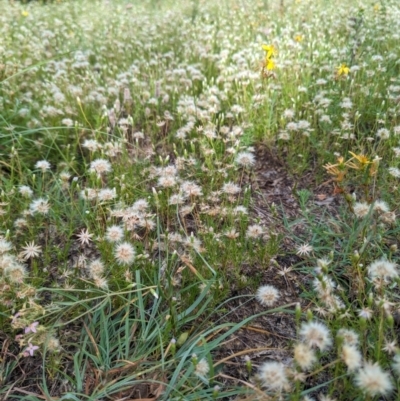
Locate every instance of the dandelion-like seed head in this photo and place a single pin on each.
(315, 334)
(273, 376)
(361, 209)
(304, 356)
(5, 246)
(381, 207)
(382, 269)
(100, 166)
(114, 233)
(100, 282)
(230, 188)
(351, 356)
(95, 268)
(267, 295)
(254, 231)
(191, 189)
(125, 253)
(373, 380)
(202, 368)
(40, 206)
(245, 159)
(25, 191)
(107, 194)
(53, 344)
(91, 144)
(15, 272)
(350, 337)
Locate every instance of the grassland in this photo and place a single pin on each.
(199, 200)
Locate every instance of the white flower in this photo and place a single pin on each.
(190, 189)
(100, 282)
(67, 122)
(89, 193)
(304, 250)
(125, 253)
(289, 114)
(84, 237)
(304, 356)
(373, 380)
(267, 295)
(315, 334)
(254, 231)
(361, 209)
(114, 234)
(273, 376)
(95, 268)
(365, 313)
(15, 272)
(292, 126)
(25, 191)
(91, 144)
(245, 159)
(303, 124)
(202, 368)
(5, 246)
(230, 188)
(43, 165)
(394, 171)
(382, 269)
(30, 250)
(351, 357)
(383, 133)
(40, 206)
(381, 206)
(106, 194)
(350, 337)
(167, 181)
(100, 166)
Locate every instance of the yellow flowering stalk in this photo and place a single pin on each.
(268, 64)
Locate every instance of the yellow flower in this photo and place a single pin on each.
(298, 38)
(338, 169)
(24, 13)
(362, 160)
(269, 64)
(270, 50)
(343, 70)
(377, 7)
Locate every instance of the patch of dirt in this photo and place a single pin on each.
(271, 337)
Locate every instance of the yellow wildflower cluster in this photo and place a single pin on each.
(357, 162)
